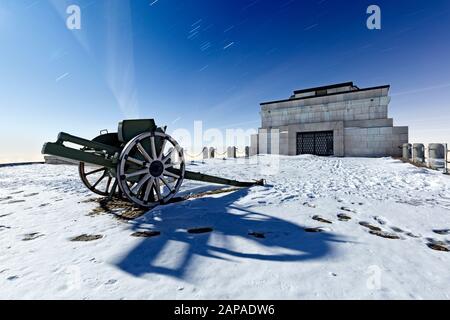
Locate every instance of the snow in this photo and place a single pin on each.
(46, 205)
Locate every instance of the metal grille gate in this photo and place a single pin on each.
(317, 143)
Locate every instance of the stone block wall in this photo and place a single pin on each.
(375, 142)
(367, 105)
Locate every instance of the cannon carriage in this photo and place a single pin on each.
(139, 162)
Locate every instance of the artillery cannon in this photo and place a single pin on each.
(140, 162)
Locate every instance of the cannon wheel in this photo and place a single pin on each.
(100, 174)
(94, 177)
(151, 169)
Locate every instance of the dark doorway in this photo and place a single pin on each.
(316, 143)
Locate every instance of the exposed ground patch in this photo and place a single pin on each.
(318, 229)
(321, 219)
(146, 234)
(200, 230)
(384, 234)
(438, 246)
(86, 237)
(126, 210)
(443, 232)
(259, 235)
(369, 226)
(343, 217)
(120, 208)
(32, 236)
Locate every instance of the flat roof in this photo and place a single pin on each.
(327, 95)
(332, 86)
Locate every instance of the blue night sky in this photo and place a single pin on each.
(215, 61)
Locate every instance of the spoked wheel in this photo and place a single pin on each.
(151, 169)
(99, 180)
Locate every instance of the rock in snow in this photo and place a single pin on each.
(243, 244)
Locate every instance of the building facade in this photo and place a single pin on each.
(336, 120)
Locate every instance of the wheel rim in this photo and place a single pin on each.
(151, 169)
(99, 180)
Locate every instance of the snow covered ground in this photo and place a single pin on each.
(258, 249)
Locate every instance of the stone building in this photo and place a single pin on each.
(336, 120)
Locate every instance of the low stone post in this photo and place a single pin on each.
(418, 153)
(406, 154)
(231, 152)
(436, 155)
(205, 153)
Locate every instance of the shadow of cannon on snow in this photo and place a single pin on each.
(228, 222)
